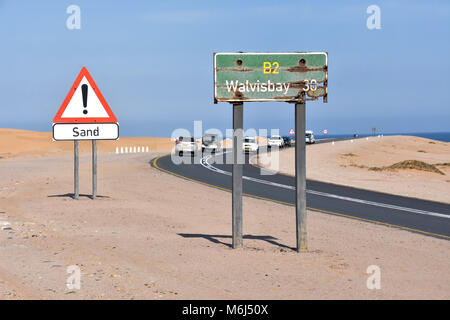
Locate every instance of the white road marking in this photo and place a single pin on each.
(204, 162)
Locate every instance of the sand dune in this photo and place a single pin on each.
(376, 164)
(14, 142)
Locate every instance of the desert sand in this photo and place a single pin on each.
(151, 235)
(16, 142)
(364, 163)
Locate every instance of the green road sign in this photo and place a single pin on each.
(291, 77)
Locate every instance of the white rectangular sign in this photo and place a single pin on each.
(85, 131)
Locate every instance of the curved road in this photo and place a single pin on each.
(426, 217)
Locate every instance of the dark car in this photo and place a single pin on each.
(287, 141)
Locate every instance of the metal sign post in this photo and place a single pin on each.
(85, 115)
(76, 193)
(300, 177)
(238, 118)
(94, 169)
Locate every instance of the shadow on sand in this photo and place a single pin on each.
(71, 195)
(215, 239)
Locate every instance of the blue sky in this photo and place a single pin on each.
(152, 60)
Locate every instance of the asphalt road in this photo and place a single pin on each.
(421, 216)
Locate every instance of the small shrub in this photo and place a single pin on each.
(409, 164)
(444, 164)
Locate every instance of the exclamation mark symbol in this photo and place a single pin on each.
(84, 91)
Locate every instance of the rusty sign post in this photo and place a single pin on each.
(254, 77)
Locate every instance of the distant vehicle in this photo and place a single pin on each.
(275, 141)
(355, 135)
(251, 144)
(185, 145)
(309, 136)
(211, 142)
(287, 141)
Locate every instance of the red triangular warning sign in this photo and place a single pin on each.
(84, 103)
(291, 132)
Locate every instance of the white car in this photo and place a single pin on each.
(210, 142)
(275, 141)
(250, 144)
(185, 145)
(309, 136)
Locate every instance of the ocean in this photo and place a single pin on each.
(440, 136)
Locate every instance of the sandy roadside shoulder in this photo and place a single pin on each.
(371, 164)
(152, 235)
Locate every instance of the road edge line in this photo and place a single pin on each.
(343, 215)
